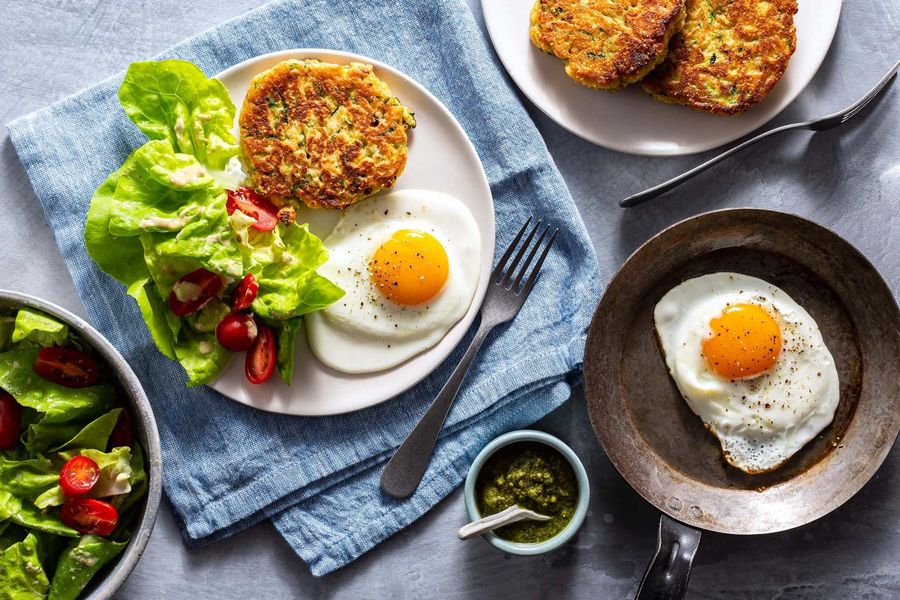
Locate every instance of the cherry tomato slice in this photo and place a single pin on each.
(193, 291)
(245, 293)
(123, 433)
(79, 476)
(253, 205)
(236, 331)
(89, 516)
(66, 366)
(260, 362)
(10, 421)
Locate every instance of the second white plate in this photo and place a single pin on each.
(441, 158)
(630, 120)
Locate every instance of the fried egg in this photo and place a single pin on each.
(409, 262)
(751, 363)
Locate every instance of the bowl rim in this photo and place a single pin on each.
(581, 508)
(147, 431)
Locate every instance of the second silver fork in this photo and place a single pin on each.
(506, 293)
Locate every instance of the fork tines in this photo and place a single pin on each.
(503, 276)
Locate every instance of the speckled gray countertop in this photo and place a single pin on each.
(847, 179)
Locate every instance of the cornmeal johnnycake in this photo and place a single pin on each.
(606, 44)
(322, 134)
(728, 55)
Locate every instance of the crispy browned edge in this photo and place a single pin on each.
(634, 69)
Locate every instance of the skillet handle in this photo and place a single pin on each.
(670, 568)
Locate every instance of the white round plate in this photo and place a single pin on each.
(441, 158)
(630, 120)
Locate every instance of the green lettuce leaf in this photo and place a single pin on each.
(95, 434)
(155, 313)
(57, 403)
(40, 437)
(284, 262)
(28, 478)
(120, 257)
(173, 100)
(286, 336)
(21, 575)
(139, 485)
(33, 518)
(79, 563)
(159, 190)
(37, 327)
(9, 505)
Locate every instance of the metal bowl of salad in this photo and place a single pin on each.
(80, 461)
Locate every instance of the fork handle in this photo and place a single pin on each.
(666, 186)
(404, 471)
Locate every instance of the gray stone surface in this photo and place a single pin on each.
(847, 179)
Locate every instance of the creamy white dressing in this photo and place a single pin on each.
(205, 347)
(189, 175)
(84, 558)
(169, 223)
(186, 291)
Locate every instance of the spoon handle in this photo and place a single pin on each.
(511, 515)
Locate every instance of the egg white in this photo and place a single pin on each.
(365, 331)
(761, 421)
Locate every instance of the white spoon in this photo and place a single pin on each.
(511, 515)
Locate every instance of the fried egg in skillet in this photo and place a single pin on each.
(751, 363)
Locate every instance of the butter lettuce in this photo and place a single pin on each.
(285, 338)
(173, 100)
(22, 576)
(33, 326)
(94, 435)
(162, 215)
(28, 478)
(79, 562)
(56, 403)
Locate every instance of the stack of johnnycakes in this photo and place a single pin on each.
(719, 56)
(323, 135)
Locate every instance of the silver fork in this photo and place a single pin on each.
(505, 296)
(820, 124)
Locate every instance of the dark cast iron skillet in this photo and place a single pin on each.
(662, 449)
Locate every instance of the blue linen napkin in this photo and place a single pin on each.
(227, 466)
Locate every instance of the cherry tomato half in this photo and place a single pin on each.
(245, 293)
(260, 361)
(66, 366)
(79, 476)
(253, 205)
(193, 291)
(123, 433)
(236, 331)
(89, 516)
(10, 421)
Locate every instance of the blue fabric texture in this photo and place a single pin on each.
(227, 466)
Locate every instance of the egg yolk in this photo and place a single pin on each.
(745, 342)
(410, 268)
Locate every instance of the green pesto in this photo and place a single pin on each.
(534, 476)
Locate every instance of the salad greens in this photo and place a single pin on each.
(45, 552)
(162, 215)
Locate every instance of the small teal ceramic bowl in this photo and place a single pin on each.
(581, 508)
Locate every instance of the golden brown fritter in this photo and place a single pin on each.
(322, 134)
(606, 44)
(728, 55)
